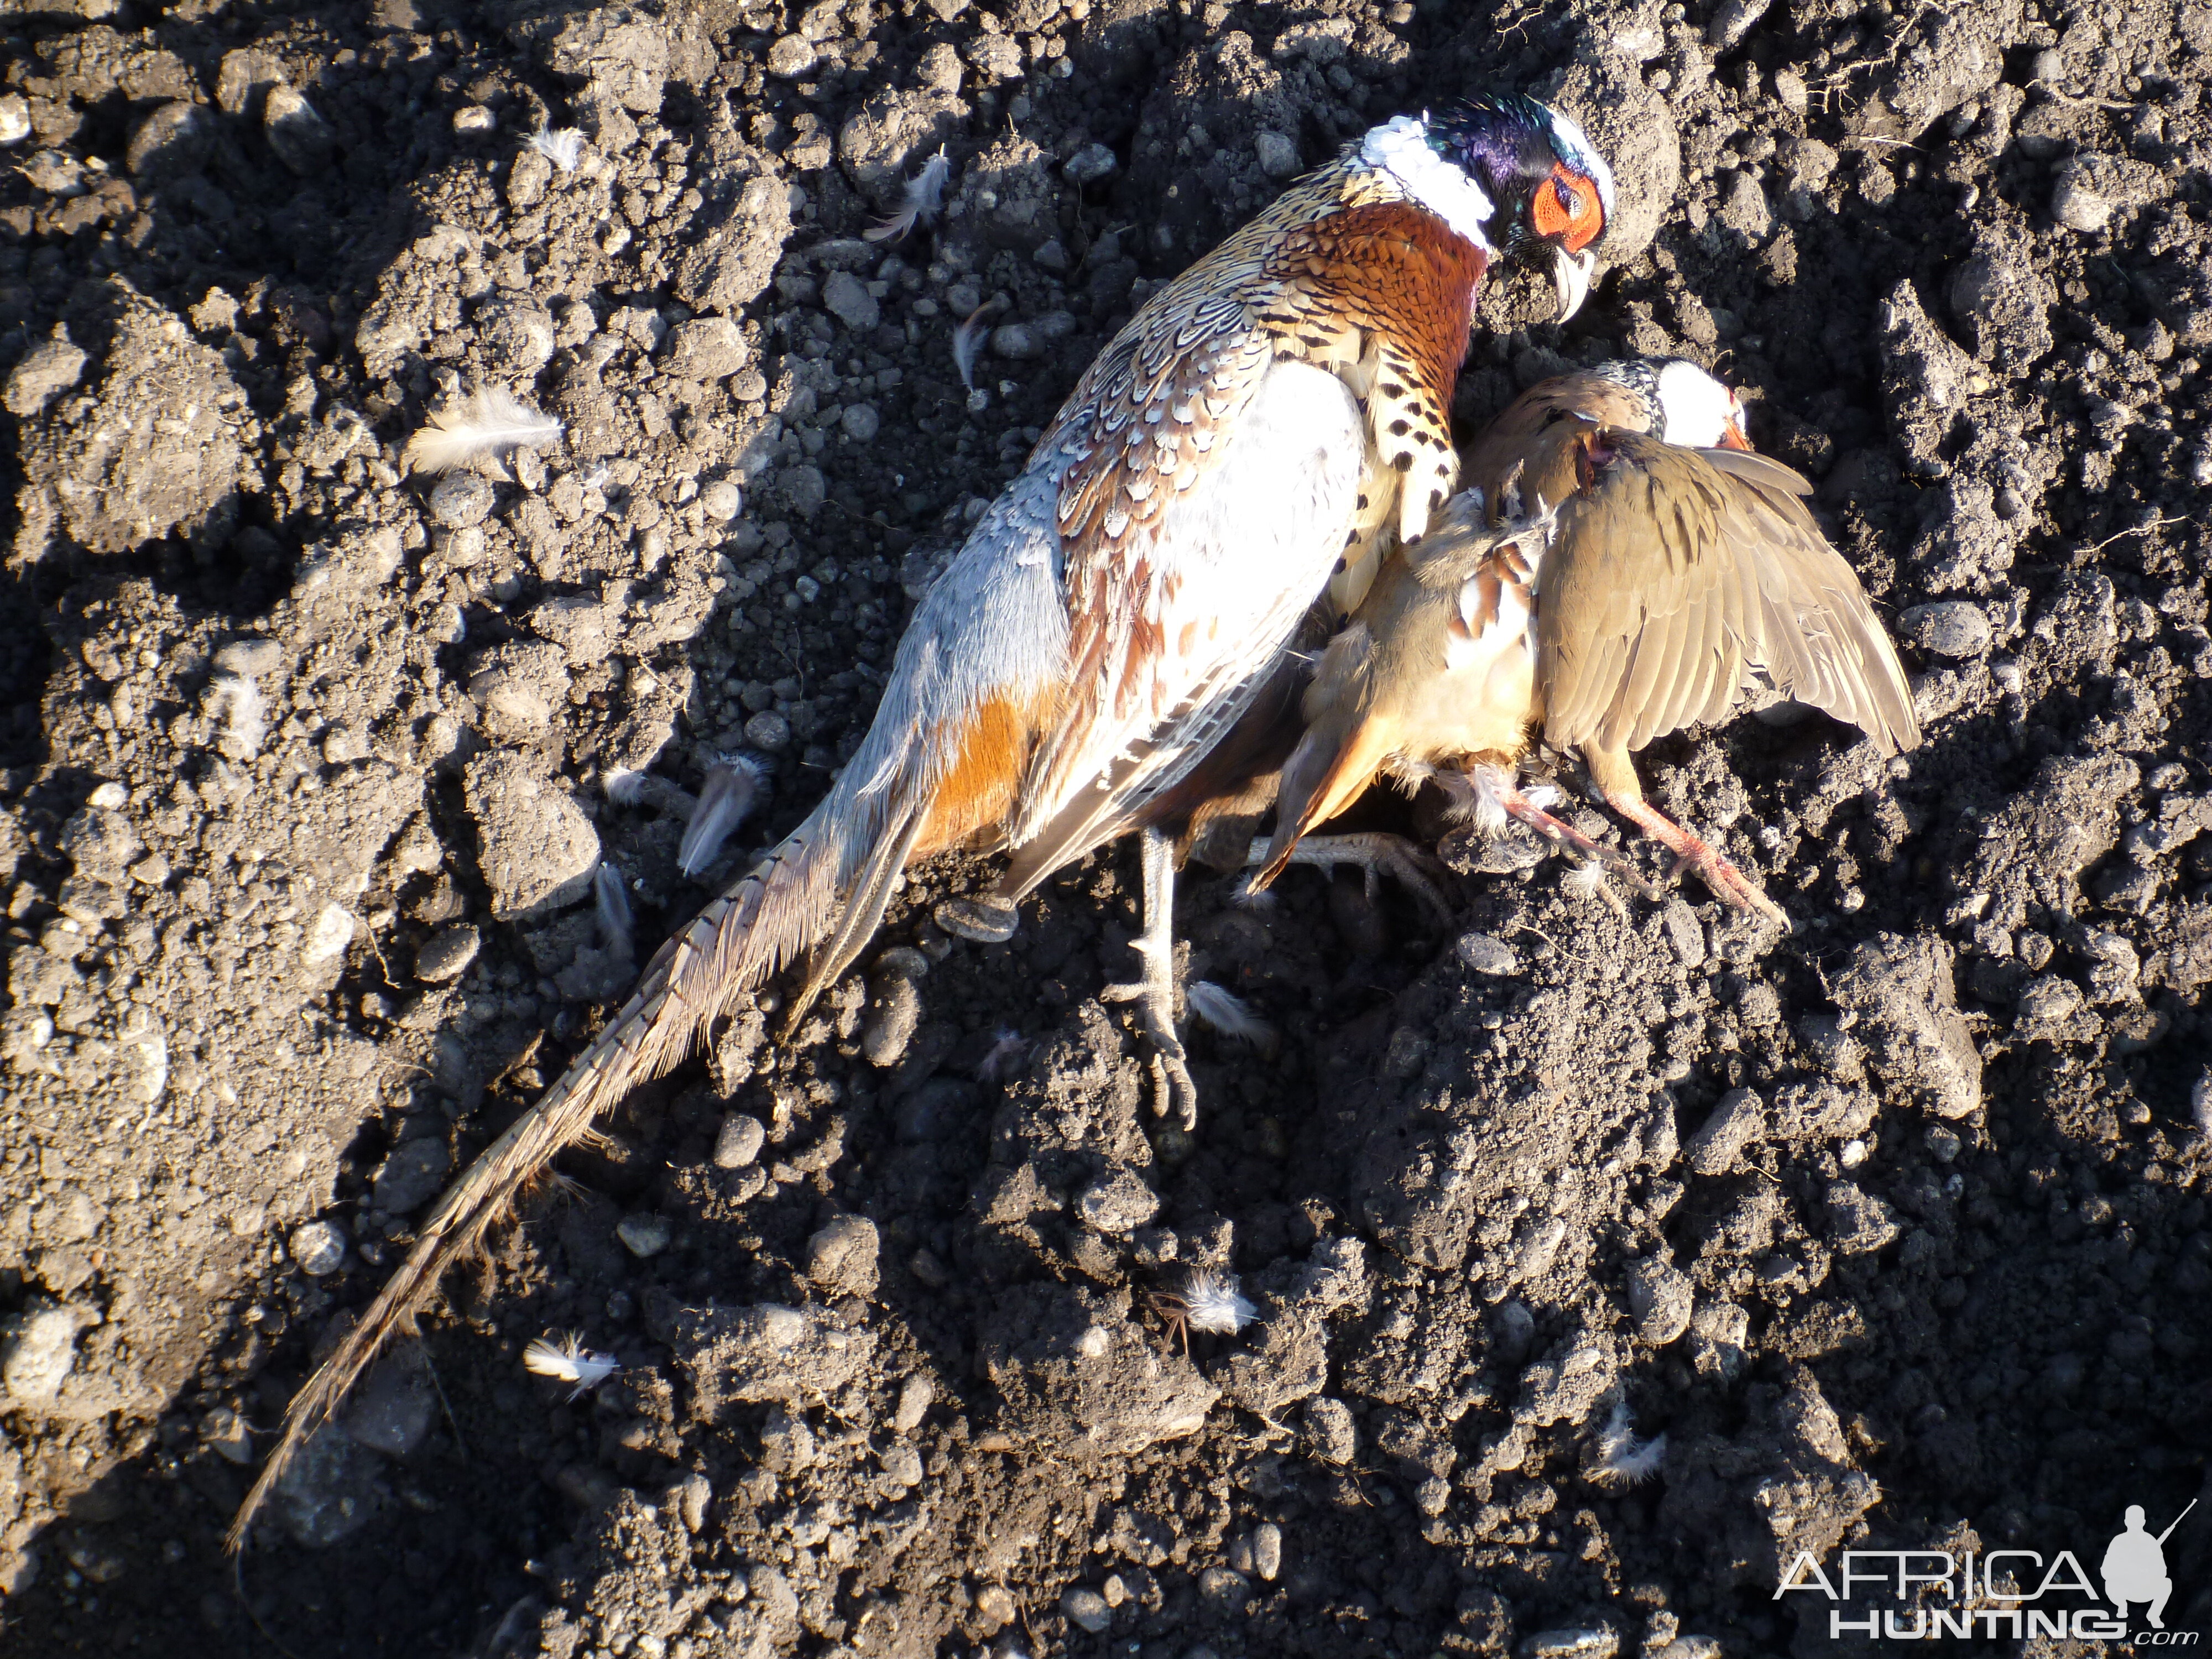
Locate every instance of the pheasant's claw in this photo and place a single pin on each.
(1727, 882)
(1375, 855)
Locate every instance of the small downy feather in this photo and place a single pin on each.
(725, 799)
(625, 786)
(568, 1360)
(618, 926)
(562, 146)
(492, 422)
(922, 201)
(1009, 1049)
(1229, 1014)
(1622, 1458)
(1213, 1303)
(244, 721)
(967, 341)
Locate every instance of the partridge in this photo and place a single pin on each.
(1273, 420)
(1650, 582)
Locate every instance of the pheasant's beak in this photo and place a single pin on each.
(1572, 272)
(1732, 436)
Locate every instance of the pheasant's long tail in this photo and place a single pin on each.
(791, 902)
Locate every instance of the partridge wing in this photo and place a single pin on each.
(1677, 575)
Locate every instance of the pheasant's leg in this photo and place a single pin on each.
(1616, 777)
(1497, 797)
(1173, 1094)
(1374, 855)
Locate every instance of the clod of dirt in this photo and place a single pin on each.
(1901, 992)
(536, 846)
(736, 1355)
(153, 446)
(1073, 1372)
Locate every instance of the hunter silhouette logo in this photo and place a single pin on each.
(2012, 1593)
(2135, 1566)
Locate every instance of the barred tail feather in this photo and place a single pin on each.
(793, 901)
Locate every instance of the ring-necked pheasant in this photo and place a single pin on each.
(1273, 418)
(1651, 581)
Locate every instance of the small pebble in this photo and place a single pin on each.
(842, 1258)
(769, 731)
(1086, 1608)
(225, 1431)
(1267, 1550)
(995, 1605)
(739, 1141)
(893, 1013)
(1487, 955)
(1092, 164)
(461, 499)
(902, 1464)
(1329, 1423)
(644, 1235)
(1580, 1642)
(447, 954)
(473, 119)
(15, 119)
(318, 1246)
(915, 1400)
(721, 501)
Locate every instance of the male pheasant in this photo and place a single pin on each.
(1274, 419)
(1650, 583)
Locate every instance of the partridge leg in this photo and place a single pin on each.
(1498, 797)
(1374, 855)
(1173, 1093)
(1616, 780)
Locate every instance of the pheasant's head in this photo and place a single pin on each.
(1548, 187)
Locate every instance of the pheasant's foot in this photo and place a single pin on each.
(1727, 884)
(983, 918)
(1374, 855)
(1153, 996)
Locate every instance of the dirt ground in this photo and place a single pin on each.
(1895, 1227)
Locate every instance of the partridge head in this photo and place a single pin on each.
(1273, 416)
(1655, 583)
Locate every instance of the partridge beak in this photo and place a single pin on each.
(1732, 436)
(1572, 272)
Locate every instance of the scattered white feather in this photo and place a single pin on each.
(1245, 897)
(1211, 1301)
(492, 422)
(967, 341)
(1229, 1014)
(568, 1360)
(618, 926)
(1622, 1458)
(725, 799)
(1009, 1049)
(922, 201)
(245, 716)
(625, 786)
(562, 146)
(1585, 878)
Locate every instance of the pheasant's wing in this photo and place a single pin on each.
(1170, 650)
(1676, 574)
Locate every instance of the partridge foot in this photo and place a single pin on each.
(1374, 855)
(1498, 798)
(1727, 884)
(1153, 995)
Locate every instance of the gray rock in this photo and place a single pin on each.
(1661, 1299)
(738, 1141)
(721, 501)
(791, 57)
(172, 141)
(916, 1397)
(1685, 932)
(1225, 1592)
(1951, 628)
(1486, 954)
(536, 845)
(1091, 164)
(393, 1407)
(15, 118)
(862, 422)
(1086, 1608)
(299, 137)
(38, 1349)
(1017, 341)
(48, 369)
(1713, 1150)
(461, 499)
(245, 73)
(894, 1010)
(318, 1246)
(845, 297)
(1277, 154)
(770, 732)
(644, 1236)
(706, 349)
(413, 1175)
(841, 1257)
